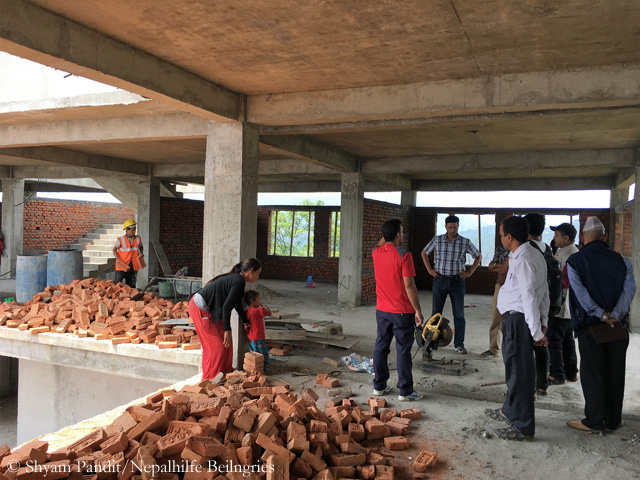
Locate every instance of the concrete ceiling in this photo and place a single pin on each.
(419, 79)
(258, 46)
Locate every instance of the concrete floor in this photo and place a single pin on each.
(453, 422)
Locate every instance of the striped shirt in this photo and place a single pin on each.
(451, 256)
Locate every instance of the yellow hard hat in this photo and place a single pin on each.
(129, 223)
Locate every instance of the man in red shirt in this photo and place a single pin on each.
(397, 311)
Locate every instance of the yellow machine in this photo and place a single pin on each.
(436, 332)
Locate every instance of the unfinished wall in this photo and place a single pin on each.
(181, 233)
(375, 214)
(321, 266)
(624, 227)
(52, 224)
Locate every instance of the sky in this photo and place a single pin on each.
(510, 199)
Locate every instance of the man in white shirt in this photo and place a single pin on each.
(524, 303)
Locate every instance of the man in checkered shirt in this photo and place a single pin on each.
(449, 273)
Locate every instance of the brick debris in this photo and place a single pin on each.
(242, 427)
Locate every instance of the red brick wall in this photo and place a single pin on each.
(622, 241)
(52, 224)
(181, 233)
(375, 214)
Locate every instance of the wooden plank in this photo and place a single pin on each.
(285, 335)
(162, 258)
(321, 336)
(347, 343)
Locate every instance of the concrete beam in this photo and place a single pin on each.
(80, 159)
(497, 185)
(397, 182)
(59, 172)
(126, 191)
(103, 99)
(62, 185)
(178, 170)
(293, 167)
(310, 150)
(37, 34)
(117, 129)
(614, 158)
(606, 86)
(168, 189)
(624, 178)
(283, 187)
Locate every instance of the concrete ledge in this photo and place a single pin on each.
(137, 361)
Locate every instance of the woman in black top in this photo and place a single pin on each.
(210, 309)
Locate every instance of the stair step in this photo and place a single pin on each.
(92, 248)
(116, 232)
(101, 236)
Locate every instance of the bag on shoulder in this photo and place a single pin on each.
(554, 279)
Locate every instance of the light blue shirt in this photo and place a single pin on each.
(624, 302)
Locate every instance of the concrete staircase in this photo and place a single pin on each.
(97, 249)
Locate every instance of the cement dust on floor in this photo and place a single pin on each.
(9, 420)
(454, 425)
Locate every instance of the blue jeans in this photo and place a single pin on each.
(402, 326)
(454, 287)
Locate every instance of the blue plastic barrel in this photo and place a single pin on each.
(31, 276)
(64, 266)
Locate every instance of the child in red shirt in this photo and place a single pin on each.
(255, 327)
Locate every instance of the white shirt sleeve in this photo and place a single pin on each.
(525, 274)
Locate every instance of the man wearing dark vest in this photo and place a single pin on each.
(128, 253)
(602, 286)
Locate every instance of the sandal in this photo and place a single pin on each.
(512, 433)
(542, 391)
(496, 415)
(556, 381)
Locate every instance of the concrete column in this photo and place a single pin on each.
(350, 265)
(230, 205)
(12, 223)
(148, 227)
(618, 197)
(635, 251)
(408, 198)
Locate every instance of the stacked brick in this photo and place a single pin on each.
(252, 429)
(102, 310)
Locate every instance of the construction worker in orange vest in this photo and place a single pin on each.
(128, 253)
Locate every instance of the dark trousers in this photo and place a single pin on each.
(402, 326)
(562, 349)
(454, 287)
(541, 355)
(602, 369)
(519, 369)
(128, 277)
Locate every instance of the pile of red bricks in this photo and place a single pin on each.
(103, 310)
(242, 429)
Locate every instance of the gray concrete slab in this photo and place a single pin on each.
(321, 304)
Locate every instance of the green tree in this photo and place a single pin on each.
(292, 233)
